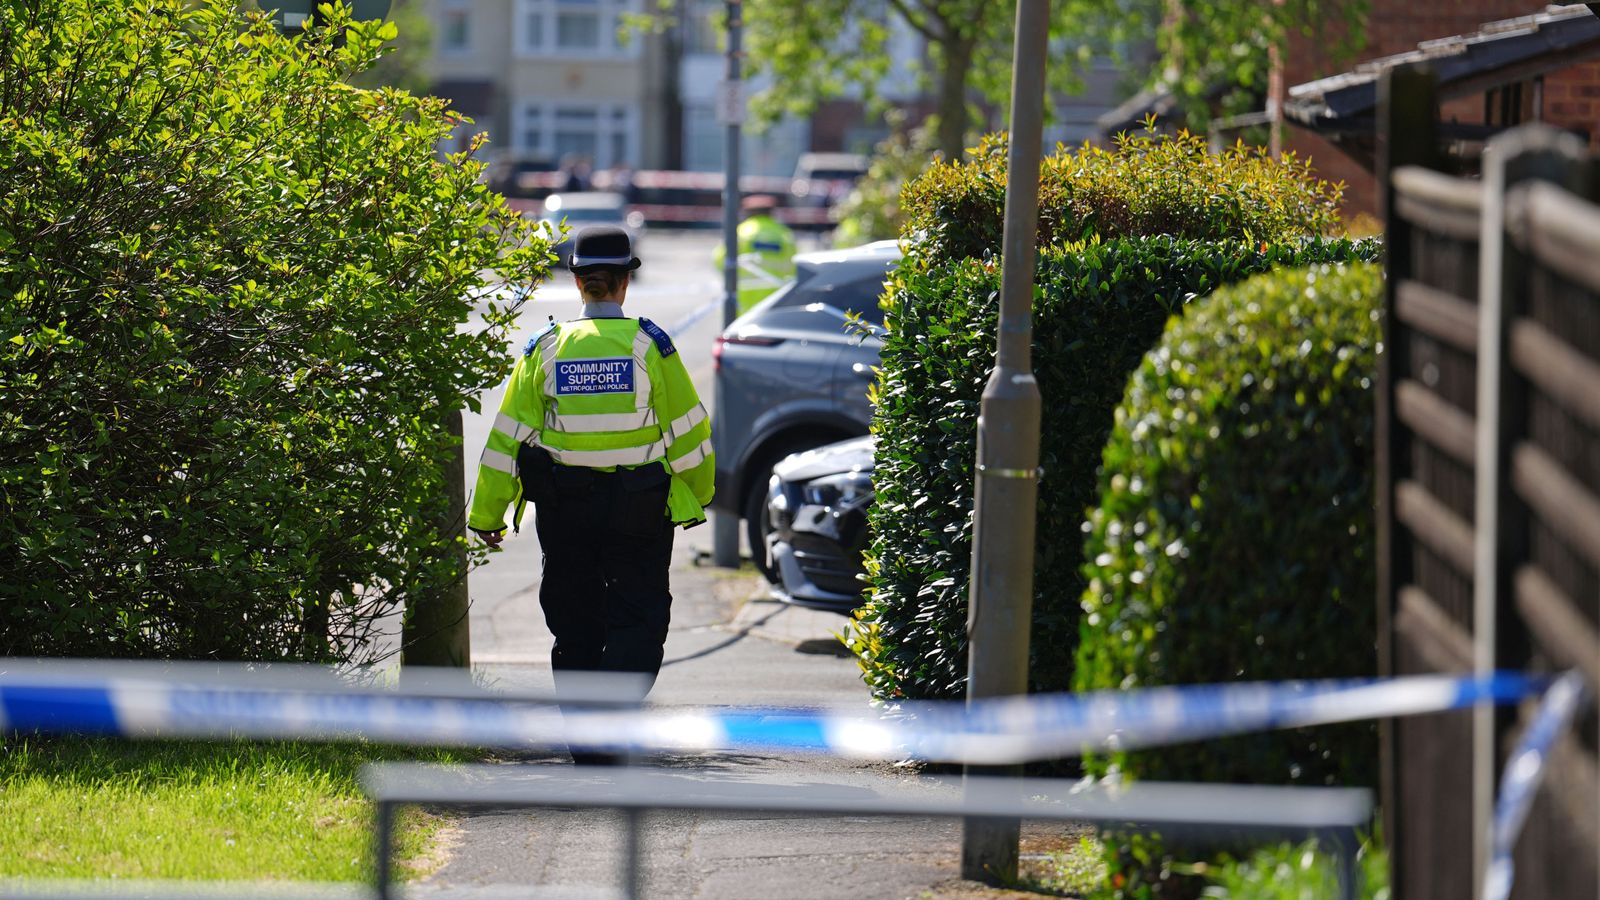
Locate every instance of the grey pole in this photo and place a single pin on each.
(1000, 602)
(725, 525)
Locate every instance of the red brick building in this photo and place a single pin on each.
(1559, 85)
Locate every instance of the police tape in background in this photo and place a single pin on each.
(1523, 774)
(990, 732)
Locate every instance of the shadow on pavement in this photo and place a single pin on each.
(738, 636)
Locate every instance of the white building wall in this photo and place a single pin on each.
(564, 82)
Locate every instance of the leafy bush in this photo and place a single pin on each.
(1162, 221)
(1295, 872)
(871, 211)
(1282, 871)
(1145, 185)
(1233, 538)
(1098, 307)
(233, 285)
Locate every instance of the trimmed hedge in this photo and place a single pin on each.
(1130, 235)
(1144, 185)
(1233, 539)
(1099, 306)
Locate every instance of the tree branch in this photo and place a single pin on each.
(920, 25)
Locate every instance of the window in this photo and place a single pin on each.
(604, 134)
(861, 297)
(700, 31)
(836, 298)
(576, 133)
(586, 28)
(455, 27)
(703, 138)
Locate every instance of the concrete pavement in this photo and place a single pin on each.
(728, 645)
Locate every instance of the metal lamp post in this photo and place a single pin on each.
(1000, 602)
(730, 109)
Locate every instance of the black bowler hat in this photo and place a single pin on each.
(602, 247)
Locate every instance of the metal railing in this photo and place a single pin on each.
(1192, 812)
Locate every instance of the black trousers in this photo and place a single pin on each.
(607, 546)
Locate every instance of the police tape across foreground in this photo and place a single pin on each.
(36, 698)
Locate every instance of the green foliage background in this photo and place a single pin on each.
(231, 295)
(1233, 536)
(1099, 305)
(1203, 53)
(871, 211)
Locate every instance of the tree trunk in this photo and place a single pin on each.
(957, 65)
(435, 631)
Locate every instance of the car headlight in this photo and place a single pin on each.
(843, 489)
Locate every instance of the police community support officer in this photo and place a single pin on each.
(601, 428)
(766, 251)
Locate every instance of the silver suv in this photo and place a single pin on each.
(792, 376)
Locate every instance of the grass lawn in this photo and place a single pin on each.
(230, 810)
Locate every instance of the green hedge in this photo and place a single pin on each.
(1130, 234)
(233, 288)
(1233, 539)
(1099, 306)
(1144, 185)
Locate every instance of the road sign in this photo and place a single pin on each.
(730, 103)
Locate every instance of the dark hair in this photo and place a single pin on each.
(599, 284)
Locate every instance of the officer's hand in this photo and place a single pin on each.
(492, 538)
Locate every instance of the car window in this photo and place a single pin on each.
(860, 297)
(812, 317)
(591, 214)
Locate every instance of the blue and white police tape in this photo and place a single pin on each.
(1524, 771)
(987, 732)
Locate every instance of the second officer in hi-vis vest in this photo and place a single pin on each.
(602, 430)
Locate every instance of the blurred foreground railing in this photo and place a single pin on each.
(170, 701)
(1197, 814)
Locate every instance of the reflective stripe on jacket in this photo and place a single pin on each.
(599, 393)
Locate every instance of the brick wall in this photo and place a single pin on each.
(1572, 99)
(1572, 95)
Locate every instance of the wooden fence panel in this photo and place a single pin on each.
(1433, 338)
(1488, 488)
(1427, 404)
(1550, 316)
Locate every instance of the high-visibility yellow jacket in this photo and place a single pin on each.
(766, 258)
(599, 393)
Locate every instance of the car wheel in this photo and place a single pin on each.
(754, 508)
(757, 524)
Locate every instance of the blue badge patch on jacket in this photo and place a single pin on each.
(533, 342)
(663, 343)
(594, 376)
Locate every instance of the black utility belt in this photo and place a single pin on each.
(629, 502)
(541, 474)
